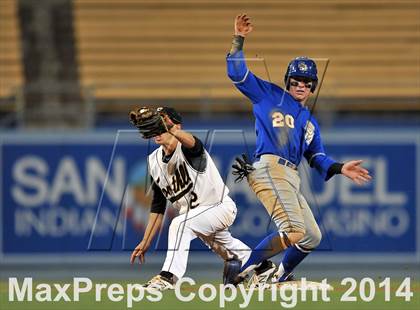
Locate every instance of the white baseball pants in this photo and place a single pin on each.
(210, 224)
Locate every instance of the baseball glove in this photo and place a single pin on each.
(241, 168)
(149, 122)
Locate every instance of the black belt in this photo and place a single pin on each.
(286, 163)
(282, 161)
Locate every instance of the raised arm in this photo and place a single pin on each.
(242, 26)
(250, 85)
(187, 140)
(236, 65)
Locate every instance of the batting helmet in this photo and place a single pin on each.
(302, 67)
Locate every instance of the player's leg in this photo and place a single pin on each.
(205, 220)
(277, 188)
(179, 240)
(294, 255)
(233, 251)
(226, 246)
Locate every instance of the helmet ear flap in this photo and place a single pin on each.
(287, 80)
(314, 85)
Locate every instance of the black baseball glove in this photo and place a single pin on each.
(241, 168)
(149, 122)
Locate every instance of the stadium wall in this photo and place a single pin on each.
(77, 197)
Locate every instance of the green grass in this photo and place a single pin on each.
(169, 300)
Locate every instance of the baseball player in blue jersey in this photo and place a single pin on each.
(286, 131)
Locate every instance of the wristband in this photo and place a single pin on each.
(237, 44)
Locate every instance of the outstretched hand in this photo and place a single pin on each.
(243, 25)
(355, 172)
(139, 252)
(169, 124)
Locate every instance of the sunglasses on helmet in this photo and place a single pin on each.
(295, 83)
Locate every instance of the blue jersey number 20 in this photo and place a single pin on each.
(280, 120)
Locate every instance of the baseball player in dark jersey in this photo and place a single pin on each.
(286, 131)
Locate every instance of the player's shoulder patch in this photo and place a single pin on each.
(309, 132)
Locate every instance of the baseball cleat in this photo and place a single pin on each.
(284, 278)
(159, 283)
(240, 279)
(231, 271)
(261, 277)
(280, 276)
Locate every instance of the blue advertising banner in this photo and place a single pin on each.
(75, 193)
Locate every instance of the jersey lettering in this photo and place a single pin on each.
(193, 199)
(280, 120)
(180, 185)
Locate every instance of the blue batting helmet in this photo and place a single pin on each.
(302, 67)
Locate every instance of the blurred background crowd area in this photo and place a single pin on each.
(86, 63)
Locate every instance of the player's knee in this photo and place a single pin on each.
(175, 224)
(316, 237)
(312, 239)
(295, 237)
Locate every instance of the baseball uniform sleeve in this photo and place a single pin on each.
(196, 156)
(245, 81)
(158, 201)
(196, 151)
(315, 153)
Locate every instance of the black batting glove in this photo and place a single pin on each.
(242, 168)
